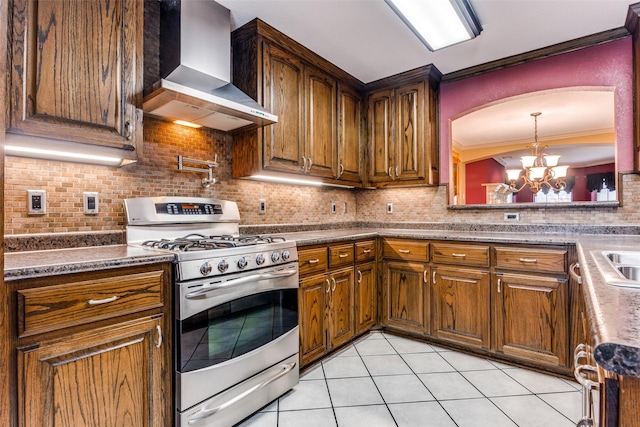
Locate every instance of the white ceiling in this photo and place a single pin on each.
(367, 39)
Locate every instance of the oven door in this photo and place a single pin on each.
(231, 329)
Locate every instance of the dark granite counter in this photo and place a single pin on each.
(25, 265)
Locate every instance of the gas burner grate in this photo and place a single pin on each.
(199, 242)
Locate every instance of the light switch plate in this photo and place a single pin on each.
(36, 202)
(90, 201)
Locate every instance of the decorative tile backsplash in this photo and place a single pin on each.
(157, 174)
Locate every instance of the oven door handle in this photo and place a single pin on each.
(205, 413)
(242, 280)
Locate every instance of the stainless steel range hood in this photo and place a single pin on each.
(195, 65)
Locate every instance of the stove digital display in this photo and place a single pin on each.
(188, 209)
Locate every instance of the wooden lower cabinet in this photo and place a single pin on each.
(531, 318)
(326, 313)
(109, 377)
(365, 296)
(406, 296)
(461, 306)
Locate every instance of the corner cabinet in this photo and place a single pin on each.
(76, 71)
(318, 107)
(94, 349)
(402, 121)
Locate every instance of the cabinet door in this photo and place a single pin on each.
(283, 96)
(409, 160)
(461, 310)
(312, 303)
(111, 377)
(77, 70)
(406, 296)
(380, 136)
(366, 296)
(321, 133)
(531, 318)
(341, 324)
(349, 134)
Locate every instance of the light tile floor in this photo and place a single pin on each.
(383, 380)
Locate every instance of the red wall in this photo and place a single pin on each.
(608, 64)
(478, 173)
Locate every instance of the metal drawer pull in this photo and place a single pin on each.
(359, 276)
(366, 251)
(499, 284)
(205, 413)
(390, 173)
(343, 255)
(458, 255)
(424, 277)
(328, 286)
(572, 271)
(434, 277)
(159, 342)
(334, 284)
(529, 260)
(314, 261)
(102, 301)
(404, 251)
(310, 164)
(304, 163)
(397, 171)
(340, 170)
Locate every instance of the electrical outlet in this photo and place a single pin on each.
(389, 208)
(512, 216)
(333, 208)
(90, 202)
(262, 206)
(36, 202)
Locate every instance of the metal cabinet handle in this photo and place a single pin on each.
(314, 261)
(582, 379)
(128, 131)
(424, 276)
(328, 286)
(340, 170)
(159, 341)
(207, 412)
(458, 255)
(499, 284)
(343, 255)
(434, 277)
(572, 271)
(366, 251)
(397, 173)
(391, 171)
(102, 301)
(333, 288)
(528, 260)
(404, 251)
(310, 164)
(304, 163)
(359, 276)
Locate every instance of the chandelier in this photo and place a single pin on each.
(539, 169)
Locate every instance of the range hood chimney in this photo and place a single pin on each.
(195, 65)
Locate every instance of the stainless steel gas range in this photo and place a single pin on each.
(235, 306)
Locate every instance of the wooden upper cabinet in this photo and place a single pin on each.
(349, 134)
(321, 136)
(402, 121)
(283, 96)
(76, 71)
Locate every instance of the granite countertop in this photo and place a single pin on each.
(32, 264)
(614, 312)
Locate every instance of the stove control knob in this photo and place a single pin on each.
(242, 263)
(223, 265)
(285, 255)
(260, 259)
(275, 257)
(205, 268)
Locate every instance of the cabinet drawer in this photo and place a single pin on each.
(340, 255)
(365, 251)
(54, 307)
(444, 253)
(406, 249)
(532, 259)
(312, 260)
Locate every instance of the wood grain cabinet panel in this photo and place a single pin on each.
(76, 71)
(406, 249)
(349, 134)
(381, 147)
(341, 255)
(406, 296)
(313, 301)
(531, 314)
(108, 377)
(527, 259)
(366, 251)
(366, 297)
(312, 260)
(320, 156)
(461, 310)
(409, 161)
(341, 307)
(460, 254)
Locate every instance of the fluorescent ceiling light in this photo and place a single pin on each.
(438, 23)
